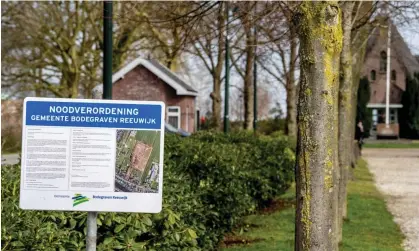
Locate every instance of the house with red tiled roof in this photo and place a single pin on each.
(149, 80)
(402, 64)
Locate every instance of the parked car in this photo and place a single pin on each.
(171, 129)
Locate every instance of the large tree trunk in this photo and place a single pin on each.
(248, 79)
(216, 102)
(356, 76)
(345, 110)
(320, 35)
(291, 126)
(248, 25)
(360, 37)
(216, 74)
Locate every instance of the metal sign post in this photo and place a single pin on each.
(227, 77)
(388, 74)
(255, 78)
(107, 94)
(91, 231)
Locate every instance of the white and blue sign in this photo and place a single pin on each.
(92, 155)
(94, 114)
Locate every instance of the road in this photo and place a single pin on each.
(9, 159)
(396, 174)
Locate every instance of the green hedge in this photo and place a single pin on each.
(210, 181)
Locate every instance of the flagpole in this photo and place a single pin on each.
(388, 74)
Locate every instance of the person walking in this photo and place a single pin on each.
(359, 135)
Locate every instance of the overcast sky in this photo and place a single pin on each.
(411, 37)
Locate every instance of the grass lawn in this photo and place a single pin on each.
(391, 145)
(370, 226)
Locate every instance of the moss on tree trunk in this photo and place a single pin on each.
(345, 110)
(358, 54)
(320, 36)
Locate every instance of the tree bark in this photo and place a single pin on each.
(38, 86)
(172, 62)
(358, 54)
(73, 80)
(217, 71)
(360, 35)
(291, 125)
(88, 93)
(248, 78)
(213, 59)
(75, 87)
(345, 110)
(216, 102)
(320, 34)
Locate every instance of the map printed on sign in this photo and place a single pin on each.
(92, 155)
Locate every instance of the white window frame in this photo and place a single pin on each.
(187, 118)
(394, 116)
(374, 117)
(174, 114)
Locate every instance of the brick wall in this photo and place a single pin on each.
(187, 110)
(378, 86)
(141, 84)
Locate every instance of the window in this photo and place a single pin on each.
(393, 75)
(187, 118)
(393, 116)
(374, 118)
(381, 117)
(372, 75)
(383, 61)
(173, 116)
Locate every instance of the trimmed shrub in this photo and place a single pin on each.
(271, 125)
(211, 180)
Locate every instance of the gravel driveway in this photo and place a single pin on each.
(396, 173)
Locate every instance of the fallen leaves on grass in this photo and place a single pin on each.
(278, 205)
(231, 240)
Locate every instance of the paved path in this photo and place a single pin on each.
(9, 159)
(396, 174)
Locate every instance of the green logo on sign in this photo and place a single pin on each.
(78, 199)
